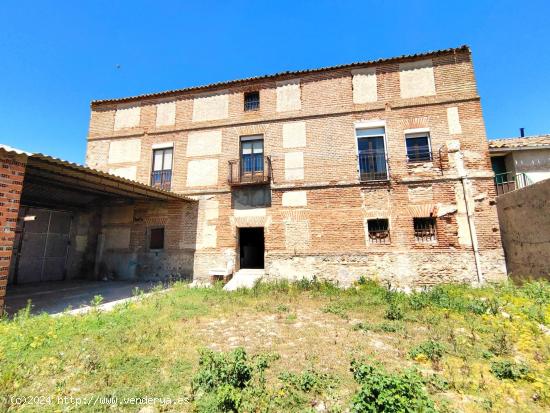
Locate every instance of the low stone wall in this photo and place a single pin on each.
(524, 217)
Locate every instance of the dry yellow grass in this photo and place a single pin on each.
(151, 348)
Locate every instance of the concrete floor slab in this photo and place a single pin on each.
(55, 297)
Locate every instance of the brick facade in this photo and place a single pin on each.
(316, 222)
(125, 253)
(12, 172)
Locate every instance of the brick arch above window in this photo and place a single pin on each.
(415, 123)
(422, 210)
(252, 130)
(156, 221)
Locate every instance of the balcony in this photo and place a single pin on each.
(250, 171)
(509, 181)
(162, 179)
(419, 153)
(373, 166)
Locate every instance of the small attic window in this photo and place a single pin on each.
(251, 101)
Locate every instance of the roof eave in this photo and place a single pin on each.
(280, 75)
(520, 148)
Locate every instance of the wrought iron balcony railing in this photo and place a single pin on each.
(509, 181)
(162, 179)
(253, 170)
(373, 166)
(419, 154)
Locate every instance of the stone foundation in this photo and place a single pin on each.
(401, 270)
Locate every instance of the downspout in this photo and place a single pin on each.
(473, 234)
(462, 175)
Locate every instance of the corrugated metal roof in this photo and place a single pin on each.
(285, 74)
(96, 172)
(535, 141)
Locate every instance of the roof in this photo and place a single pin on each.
(88, 178)
(463, 48)
(527, 142)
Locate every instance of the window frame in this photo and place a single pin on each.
(150, 238)
(425, 239)
(420, 134)
(163, 150)
(377, 241)
(166, 184)
(246, 139)
(383, 135)
(251, 108)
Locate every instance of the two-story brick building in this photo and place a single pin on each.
(377, 168)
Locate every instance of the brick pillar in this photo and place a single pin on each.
(12, 172)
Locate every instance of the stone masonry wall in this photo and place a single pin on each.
(124, 251)
(319, 207)
(524, 217)
(12, 172)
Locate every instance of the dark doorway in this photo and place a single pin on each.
(251, 243)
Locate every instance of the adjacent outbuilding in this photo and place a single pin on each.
(65, 222)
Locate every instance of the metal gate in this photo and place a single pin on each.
(41, 245)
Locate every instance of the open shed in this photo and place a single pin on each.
(66, 222)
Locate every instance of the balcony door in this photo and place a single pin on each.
(372, 154)
(252, 156)
(161, 176)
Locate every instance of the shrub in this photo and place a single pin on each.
(432, 349)
(437, 382)
(336, 309)
(506, 369)
(387, 327)
(219, 369)
(452, 297)
(96, 301)
(224, 380)
(385, 392)
(308, 381)
(394, 311)
(228, 398)
(418, 301)
(282, 308)
(536, 312)
(501, 344)
(477, 306)
(539, 291)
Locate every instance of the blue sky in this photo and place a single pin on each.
(55, 57)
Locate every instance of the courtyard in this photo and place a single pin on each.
(463, 349)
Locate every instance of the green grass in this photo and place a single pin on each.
(473, 350)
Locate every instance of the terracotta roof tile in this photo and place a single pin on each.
(462, 48)
(526, 142)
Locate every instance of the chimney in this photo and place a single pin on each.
(522, 132)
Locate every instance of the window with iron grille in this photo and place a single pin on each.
(251, 101)
(379, 231)
(161, 174)
(418, 147)
(372, 154)
(156, 238)
(424, 229)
